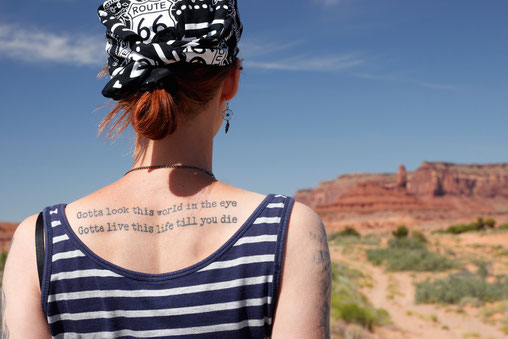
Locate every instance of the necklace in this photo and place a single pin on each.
(172, 166)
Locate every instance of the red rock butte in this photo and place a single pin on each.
(6, 232)
(437, 194)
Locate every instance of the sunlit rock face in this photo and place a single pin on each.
(434, 195)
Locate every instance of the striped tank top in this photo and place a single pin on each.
(230, 294)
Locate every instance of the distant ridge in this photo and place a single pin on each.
(436, 194)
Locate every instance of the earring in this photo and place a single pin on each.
(227, 115)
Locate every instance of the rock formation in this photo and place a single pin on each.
(440, 179)
(6, 233)
(402, 177)
(436, 194)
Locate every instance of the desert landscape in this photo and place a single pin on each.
(420, 254)
(435, 195)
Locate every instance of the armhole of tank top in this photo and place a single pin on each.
(48, 253)
(279, 254)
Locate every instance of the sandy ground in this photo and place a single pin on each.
(394, 291)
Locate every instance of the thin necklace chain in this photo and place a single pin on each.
(172, 166)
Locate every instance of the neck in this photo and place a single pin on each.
(190, 145)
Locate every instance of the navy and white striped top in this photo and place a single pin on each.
(231, 294)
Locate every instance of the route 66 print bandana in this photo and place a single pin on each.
(144, 37)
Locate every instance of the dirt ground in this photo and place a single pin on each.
(395, 291)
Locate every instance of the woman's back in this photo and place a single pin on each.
(147, 228)
(229, 291)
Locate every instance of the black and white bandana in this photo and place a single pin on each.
(145, 36)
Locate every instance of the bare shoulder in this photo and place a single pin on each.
(21, 308)
(23, 241)
(21, 257)
(306, 235)
(304, 219)
(306, 281)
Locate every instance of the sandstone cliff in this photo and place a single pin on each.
(434, 195)
(6, 233)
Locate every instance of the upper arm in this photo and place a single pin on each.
(303, 308)
(22, 316)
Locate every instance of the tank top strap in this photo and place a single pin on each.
(267, 235)
(55, 238)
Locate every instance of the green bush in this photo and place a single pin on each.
(490, 223)
(338, 239)
(353, 313)
(457, 287)
(463, 228)
(349, 304)
(419, 236)
(503, 227)
(407, 254)
(3, 259)
(407, 243)
(480, 223)
(400, 232)
(349, 232)
(482, 269)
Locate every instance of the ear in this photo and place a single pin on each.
(230, 85)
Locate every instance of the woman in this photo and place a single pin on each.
(168, 250)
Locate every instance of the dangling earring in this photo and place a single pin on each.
(227, 115)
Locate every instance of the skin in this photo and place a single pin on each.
(303, 307)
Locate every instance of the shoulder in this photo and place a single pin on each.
(304, 218)
(21, 257)
(21, 308)
(305, 292)
(24, 236)
(307, 242)
(306, 233)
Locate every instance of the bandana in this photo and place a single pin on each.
(145, 37)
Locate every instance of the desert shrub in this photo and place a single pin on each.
(408, 254)
(490, 223)
(480, 223)
(349, 304)
(461, 286)
(3, 259)
(340, 239)
(477, 225)
(406, 243)
(354, 313)
(349, 232)
(400, 232)
(504, 324)
(463, 228)
(482, 269)
(503, 226)
(419, 236)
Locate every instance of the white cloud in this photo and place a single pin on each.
(316, 63)
(34, 45)
(251, 49)
(434, 85)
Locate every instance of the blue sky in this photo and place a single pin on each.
(329, 87)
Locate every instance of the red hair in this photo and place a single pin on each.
(155, 115)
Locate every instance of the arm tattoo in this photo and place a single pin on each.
(322, 259)
(4, 329)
